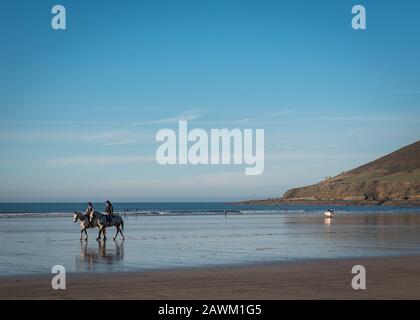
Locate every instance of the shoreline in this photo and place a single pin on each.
(277, 202)
(387, 278)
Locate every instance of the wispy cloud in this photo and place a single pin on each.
(265, 116)
(119, 143)
(98, 160)
(278, 113)
(106, 135)
(107, 138)
(187, 115)
(244, 120)
(371, 117)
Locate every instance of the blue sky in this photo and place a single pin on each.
(80, 108)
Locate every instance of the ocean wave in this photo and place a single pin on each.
(34, 214)
(206, 212)
(150, 213)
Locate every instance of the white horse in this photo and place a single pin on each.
(85, 223)
(105, 221)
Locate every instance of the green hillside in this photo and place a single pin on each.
(395, 176)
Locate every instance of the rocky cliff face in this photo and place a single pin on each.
(393, 177)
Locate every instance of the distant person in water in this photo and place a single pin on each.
(109, 210)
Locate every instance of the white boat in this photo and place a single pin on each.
(329, 213)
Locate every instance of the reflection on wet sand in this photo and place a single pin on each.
(105, 253)
(388, 231)
(329, 227)
(328, 221)
(365, 219)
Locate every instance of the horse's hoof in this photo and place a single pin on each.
(86, 239)
(104, 238)
(114, 238)
(97, 239)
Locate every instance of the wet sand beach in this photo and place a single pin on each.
(254, 255)
(31, 246)
(387, 278)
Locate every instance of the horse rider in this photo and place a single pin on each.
(89, 211)
(109, 211)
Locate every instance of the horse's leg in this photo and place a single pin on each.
(103, 232)
(99, 234)
(118, 230)
(86, 235)
(81, 234)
